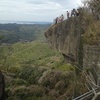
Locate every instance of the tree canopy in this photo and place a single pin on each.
(94, 6)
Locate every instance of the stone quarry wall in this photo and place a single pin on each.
(68, 38)
(65, 37)
(91, 57)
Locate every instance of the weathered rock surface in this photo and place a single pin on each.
(92, 57)
(65, 37)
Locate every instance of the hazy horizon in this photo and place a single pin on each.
(23, 22)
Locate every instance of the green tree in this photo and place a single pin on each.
(94, 6)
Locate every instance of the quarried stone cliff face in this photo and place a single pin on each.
(92, 57)
(65, 37)
(2, 87)
(79, 42)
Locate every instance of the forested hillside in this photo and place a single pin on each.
(12, 33)
(33, 53)
(35, 72)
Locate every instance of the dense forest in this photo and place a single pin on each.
(12, 33)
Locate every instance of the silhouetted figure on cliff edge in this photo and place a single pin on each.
(62, 17)
(77, 12)
(73, 13)
(56, 20)
(67, 15)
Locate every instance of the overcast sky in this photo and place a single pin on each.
(35, 10)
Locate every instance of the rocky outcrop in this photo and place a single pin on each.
(92, 57)
(2, 87)
(79, 42)
(65, 37)
(91, 60)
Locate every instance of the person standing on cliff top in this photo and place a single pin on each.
(73, 13)
(62, 17)
(56, 20)
(77, 12)
(67, 15)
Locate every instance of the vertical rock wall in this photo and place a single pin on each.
(65, 37)
(92, 57)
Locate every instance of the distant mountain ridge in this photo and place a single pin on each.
(12, 33)
(23, 22)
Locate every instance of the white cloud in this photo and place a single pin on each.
(33, 10)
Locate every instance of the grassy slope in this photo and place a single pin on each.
(33, 68)
(34, 54)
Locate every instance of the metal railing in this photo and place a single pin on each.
(95, 88)
(87, 95)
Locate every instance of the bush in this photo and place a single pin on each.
(30, 74)
(14, 70)
(37, 90)
(54, 93)
(60, 86)
(40, 98)
(19, 82)
(25, 72)
(92, 34)
(66, 67)
(19, 91)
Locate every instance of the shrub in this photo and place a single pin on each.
(19, 82)
(60, 85)
(30, 74)
(66, 67)
(37, 91)
(92, 34)
(13, 69)
(54, 93)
